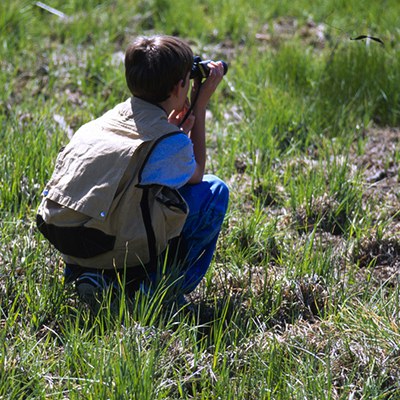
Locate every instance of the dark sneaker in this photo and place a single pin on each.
(92, 288)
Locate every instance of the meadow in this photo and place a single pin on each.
(302, 299)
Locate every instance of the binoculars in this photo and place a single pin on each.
(201, 70)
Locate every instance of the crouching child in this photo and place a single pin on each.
(130, 189)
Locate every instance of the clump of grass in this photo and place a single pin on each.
(327, 196)
(359, 80)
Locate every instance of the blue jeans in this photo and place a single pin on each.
(208, 203)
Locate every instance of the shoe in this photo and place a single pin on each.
(92, 287)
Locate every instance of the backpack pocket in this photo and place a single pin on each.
(77, 241)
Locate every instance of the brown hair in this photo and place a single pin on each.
(154, 65)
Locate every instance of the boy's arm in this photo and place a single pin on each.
(198, 132)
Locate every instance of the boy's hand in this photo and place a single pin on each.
(176, 118)
(208, 87)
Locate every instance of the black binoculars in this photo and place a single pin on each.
(201, 70)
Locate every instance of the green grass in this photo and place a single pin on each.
(302, 298)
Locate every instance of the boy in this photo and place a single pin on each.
(130, 187)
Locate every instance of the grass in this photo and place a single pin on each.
(302, 299)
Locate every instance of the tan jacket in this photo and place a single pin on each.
(95, 192)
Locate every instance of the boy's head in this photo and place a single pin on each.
(154, 65)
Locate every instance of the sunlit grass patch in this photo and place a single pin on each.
(302, 298)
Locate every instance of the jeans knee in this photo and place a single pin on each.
(220, 190)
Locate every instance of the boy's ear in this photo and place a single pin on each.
(177, 87)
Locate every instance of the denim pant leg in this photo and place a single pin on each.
(208, 203)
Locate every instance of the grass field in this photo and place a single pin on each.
(302, 299)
